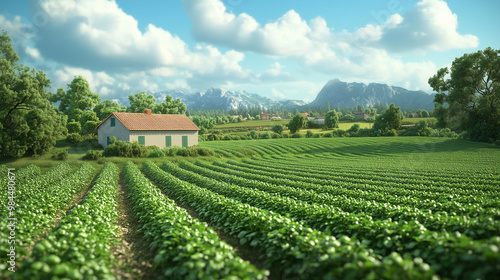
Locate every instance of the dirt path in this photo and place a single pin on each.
(133, 260)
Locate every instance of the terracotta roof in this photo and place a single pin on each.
(143, 121)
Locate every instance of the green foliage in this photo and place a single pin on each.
(40, 201)
(125, 149)
(61, 154)
(156, 153)
(74, 137)
(74, 127)
(391, 119)
(277, 128)
(170, 106)
(331, 119)
(470, 99)
(347, 117)
(141, 101)
(77, 99)
(29, 124)
(93, 155)
(265, 135)
(281, 239)
(204, 123)
(88, 122)
(80, 246)
(106, 107)
(309, 134)
(297, 123)
(200, 254)
(192, 151)
(354, 129)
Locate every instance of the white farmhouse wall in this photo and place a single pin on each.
(105, 130)
(157, 137)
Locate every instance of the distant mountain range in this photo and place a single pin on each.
(349, 95)
(218, 98)
(335, 92)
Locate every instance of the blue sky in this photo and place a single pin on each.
(280, 49)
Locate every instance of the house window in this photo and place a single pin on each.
(184, 141)
(108, 140)
(142, 140)
(168, 141)
(113, 122)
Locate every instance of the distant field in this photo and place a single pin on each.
(260, 124)
(417, 120)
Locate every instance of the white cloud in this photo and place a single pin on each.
(430, 25)
(32, 52)
(99, 35)
(277, 95)
(99, 82)
(289, 35)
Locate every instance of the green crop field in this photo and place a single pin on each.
(307, 208)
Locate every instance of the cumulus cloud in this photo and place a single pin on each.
(430, 25)
(289, 35)
(99, 35)
(99, 82)
(274, 74)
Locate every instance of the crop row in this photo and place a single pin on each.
(375, 193)
(38, 211)
(366, 169)
(289, 246)
(20, 176)
(441, 183)
(184, 247)
(384, 236)
(33, 186)
(80, 246)
(477, 227)
(421, 189)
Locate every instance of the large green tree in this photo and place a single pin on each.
(170, 106)
(298, 122)
(77, 99)
(390, 119)
(28, 121)
(470, 98)
(141, 101)
(88, 122)
(106, 107)
(331, 119)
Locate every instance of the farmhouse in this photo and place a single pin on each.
(264, 116)
(319, 121)
(148, 129)
(361, 116)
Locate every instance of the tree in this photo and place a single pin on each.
(77, 99)
(141, 101)
(277, 128)
(170, 106)
(331, 119)
(29, 123)
(88, 122)
(470, 98)
(423, 113)
(106, 107)
(203, 123)
(297, 123)
(390, 119)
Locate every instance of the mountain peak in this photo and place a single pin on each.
(349, 95)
